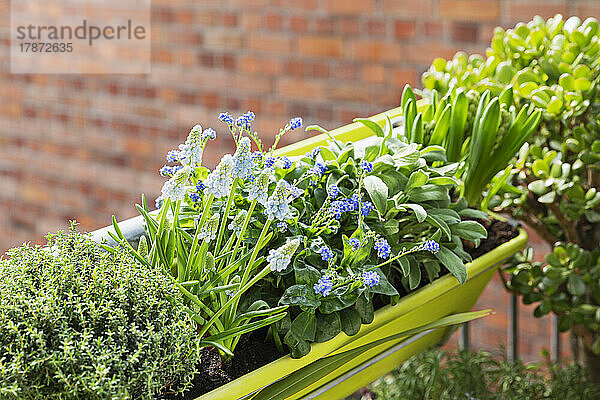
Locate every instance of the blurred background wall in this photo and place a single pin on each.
(84, 147)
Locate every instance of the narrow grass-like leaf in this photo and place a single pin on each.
(303, 378)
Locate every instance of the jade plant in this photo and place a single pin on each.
(554, 66)
(77, 322)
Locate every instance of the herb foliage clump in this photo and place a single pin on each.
(77, 322)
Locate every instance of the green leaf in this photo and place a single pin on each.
(548, 198)
(439, 223)
(414, 276)
(407, 94)
(372, 125)
(453, 263)
(351, 321)
(428, 193)
(301, 332)
(416, 135)
(457, 126)
(576, 285)
(365, 309)
(469, 230)
(328, 326)
(384, 287)
(304, 273)
(416, 179)
(327, 154)
(567, 82)
(444, 180)
(418, 209)
(300, 295)
(371, 152)
(596, 346)
(378, 191)
(303, 378)
(441, 127)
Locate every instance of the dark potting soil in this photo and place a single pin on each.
(254, 353)
(249, 355)
(498, 232)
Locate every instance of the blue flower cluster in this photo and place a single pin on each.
(383, 248)
(243, 159)
(318, 170)
(209, 231)
(173, 156)
(245, 120)
(195, 197)
(190, 152)
(354, 243)
(338, 207)
(333, 191)
(287, 163)
(370, 278)
(209, 134)
(260, 187)
(270, 161)
(366, 166)
(238, 222)
(257, 157)
(313, 153)
(169, 171)
(432, 246)
(323, 286)
(176, 187)
(326, 253)
(226, 118)
(295, 123)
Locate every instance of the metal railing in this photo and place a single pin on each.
(512, 348)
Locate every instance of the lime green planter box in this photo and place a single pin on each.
(443, 297)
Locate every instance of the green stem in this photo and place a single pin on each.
(276, 339)
(243, 230)
(226, 215)
(207, 205)
(263, 233)
(325, 227)
(234, 299)
(400, 255)
(249, 266)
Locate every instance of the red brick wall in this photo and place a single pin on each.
(84, 147)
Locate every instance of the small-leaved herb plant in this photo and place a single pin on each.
(77, 322)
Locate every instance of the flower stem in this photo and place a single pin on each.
(243, 230)
(226, 215)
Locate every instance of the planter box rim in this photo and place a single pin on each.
(285, 365)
